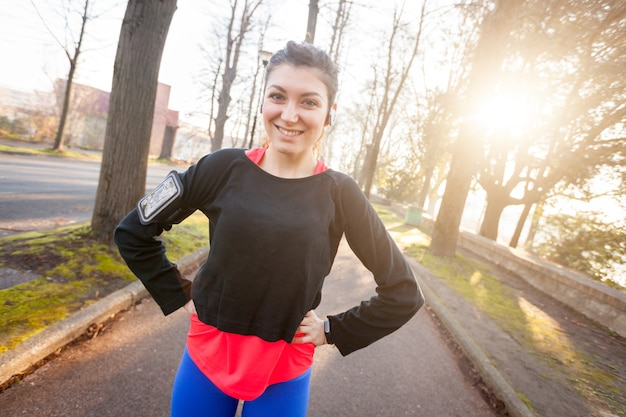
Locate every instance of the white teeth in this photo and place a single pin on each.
(289, 132)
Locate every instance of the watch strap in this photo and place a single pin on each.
(327, 332)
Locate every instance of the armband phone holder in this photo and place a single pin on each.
(158, 201)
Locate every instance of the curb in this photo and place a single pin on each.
(490, 374)
(43, 344)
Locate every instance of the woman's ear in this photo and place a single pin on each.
(332, 115)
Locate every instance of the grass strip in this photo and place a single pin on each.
(75, 271)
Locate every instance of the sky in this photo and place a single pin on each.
(32, 59)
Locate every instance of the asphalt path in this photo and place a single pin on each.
(128, 369)
(43, 192)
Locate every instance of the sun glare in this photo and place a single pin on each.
(505, 113)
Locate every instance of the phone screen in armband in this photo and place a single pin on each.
(159, 199)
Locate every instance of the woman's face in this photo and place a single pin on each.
(295, 109)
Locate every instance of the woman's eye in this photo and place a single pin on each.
(310, 103)
(276, 96)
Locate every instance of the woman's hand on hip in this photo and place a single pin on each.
(311, 330)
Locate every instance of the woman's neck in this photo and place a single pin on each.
(288, 166)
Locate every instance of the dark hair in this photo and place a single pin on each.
(308, 55)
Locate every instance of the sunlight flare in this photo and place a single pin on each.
(505, 112)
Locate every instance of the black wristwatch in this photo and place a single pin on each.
(329, 338)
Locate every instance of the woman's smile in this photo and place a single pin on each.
(289, 132)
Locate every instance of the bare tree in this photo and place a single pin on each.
(234, 40)
(437, 120)
(131, 109)
(487, 60)
(214, 88)
(340, 24)
(358, 123)
(436, 131)
(393, 81)
(255, 99)
(311, 21)
(72, 51)
(342, 15)
(583, 132)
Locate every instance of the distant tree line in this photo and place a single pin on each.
(417, 132)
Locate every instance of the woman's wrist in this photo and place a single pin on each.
(327, 332)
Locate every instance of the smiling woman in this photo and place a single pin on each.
(277, 216)
(295, 113)
(298, 105)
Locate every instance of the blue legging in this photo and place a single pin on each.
(194, 395)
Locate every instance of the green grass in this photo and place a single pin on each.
(25, 150)
(75, 271)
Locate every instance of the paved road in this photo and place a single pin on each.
(128, 369)
(42, 192)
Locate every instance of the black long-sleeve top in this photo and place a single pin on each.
(272, 243)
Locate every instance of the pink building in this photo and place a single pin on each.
(89, 108)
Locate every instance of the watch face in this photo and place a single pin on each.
(329, 338)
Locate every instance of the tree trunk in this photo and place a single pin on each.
(60, 136)
(342, 17)
(534, 224)
(233, 52)
(131, 110)
(312, 21)
(222, 112)
(520, 225)
(369, 165)
(487, 61)
(446, 229)
(58, 140)
(491, 219)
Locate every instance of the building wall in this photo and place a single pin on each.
(87, 118)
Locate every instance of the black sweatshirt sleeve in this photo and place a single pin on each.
(145, 254)
(398, 295)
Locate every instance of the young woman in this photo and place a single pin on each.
(276, 217)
